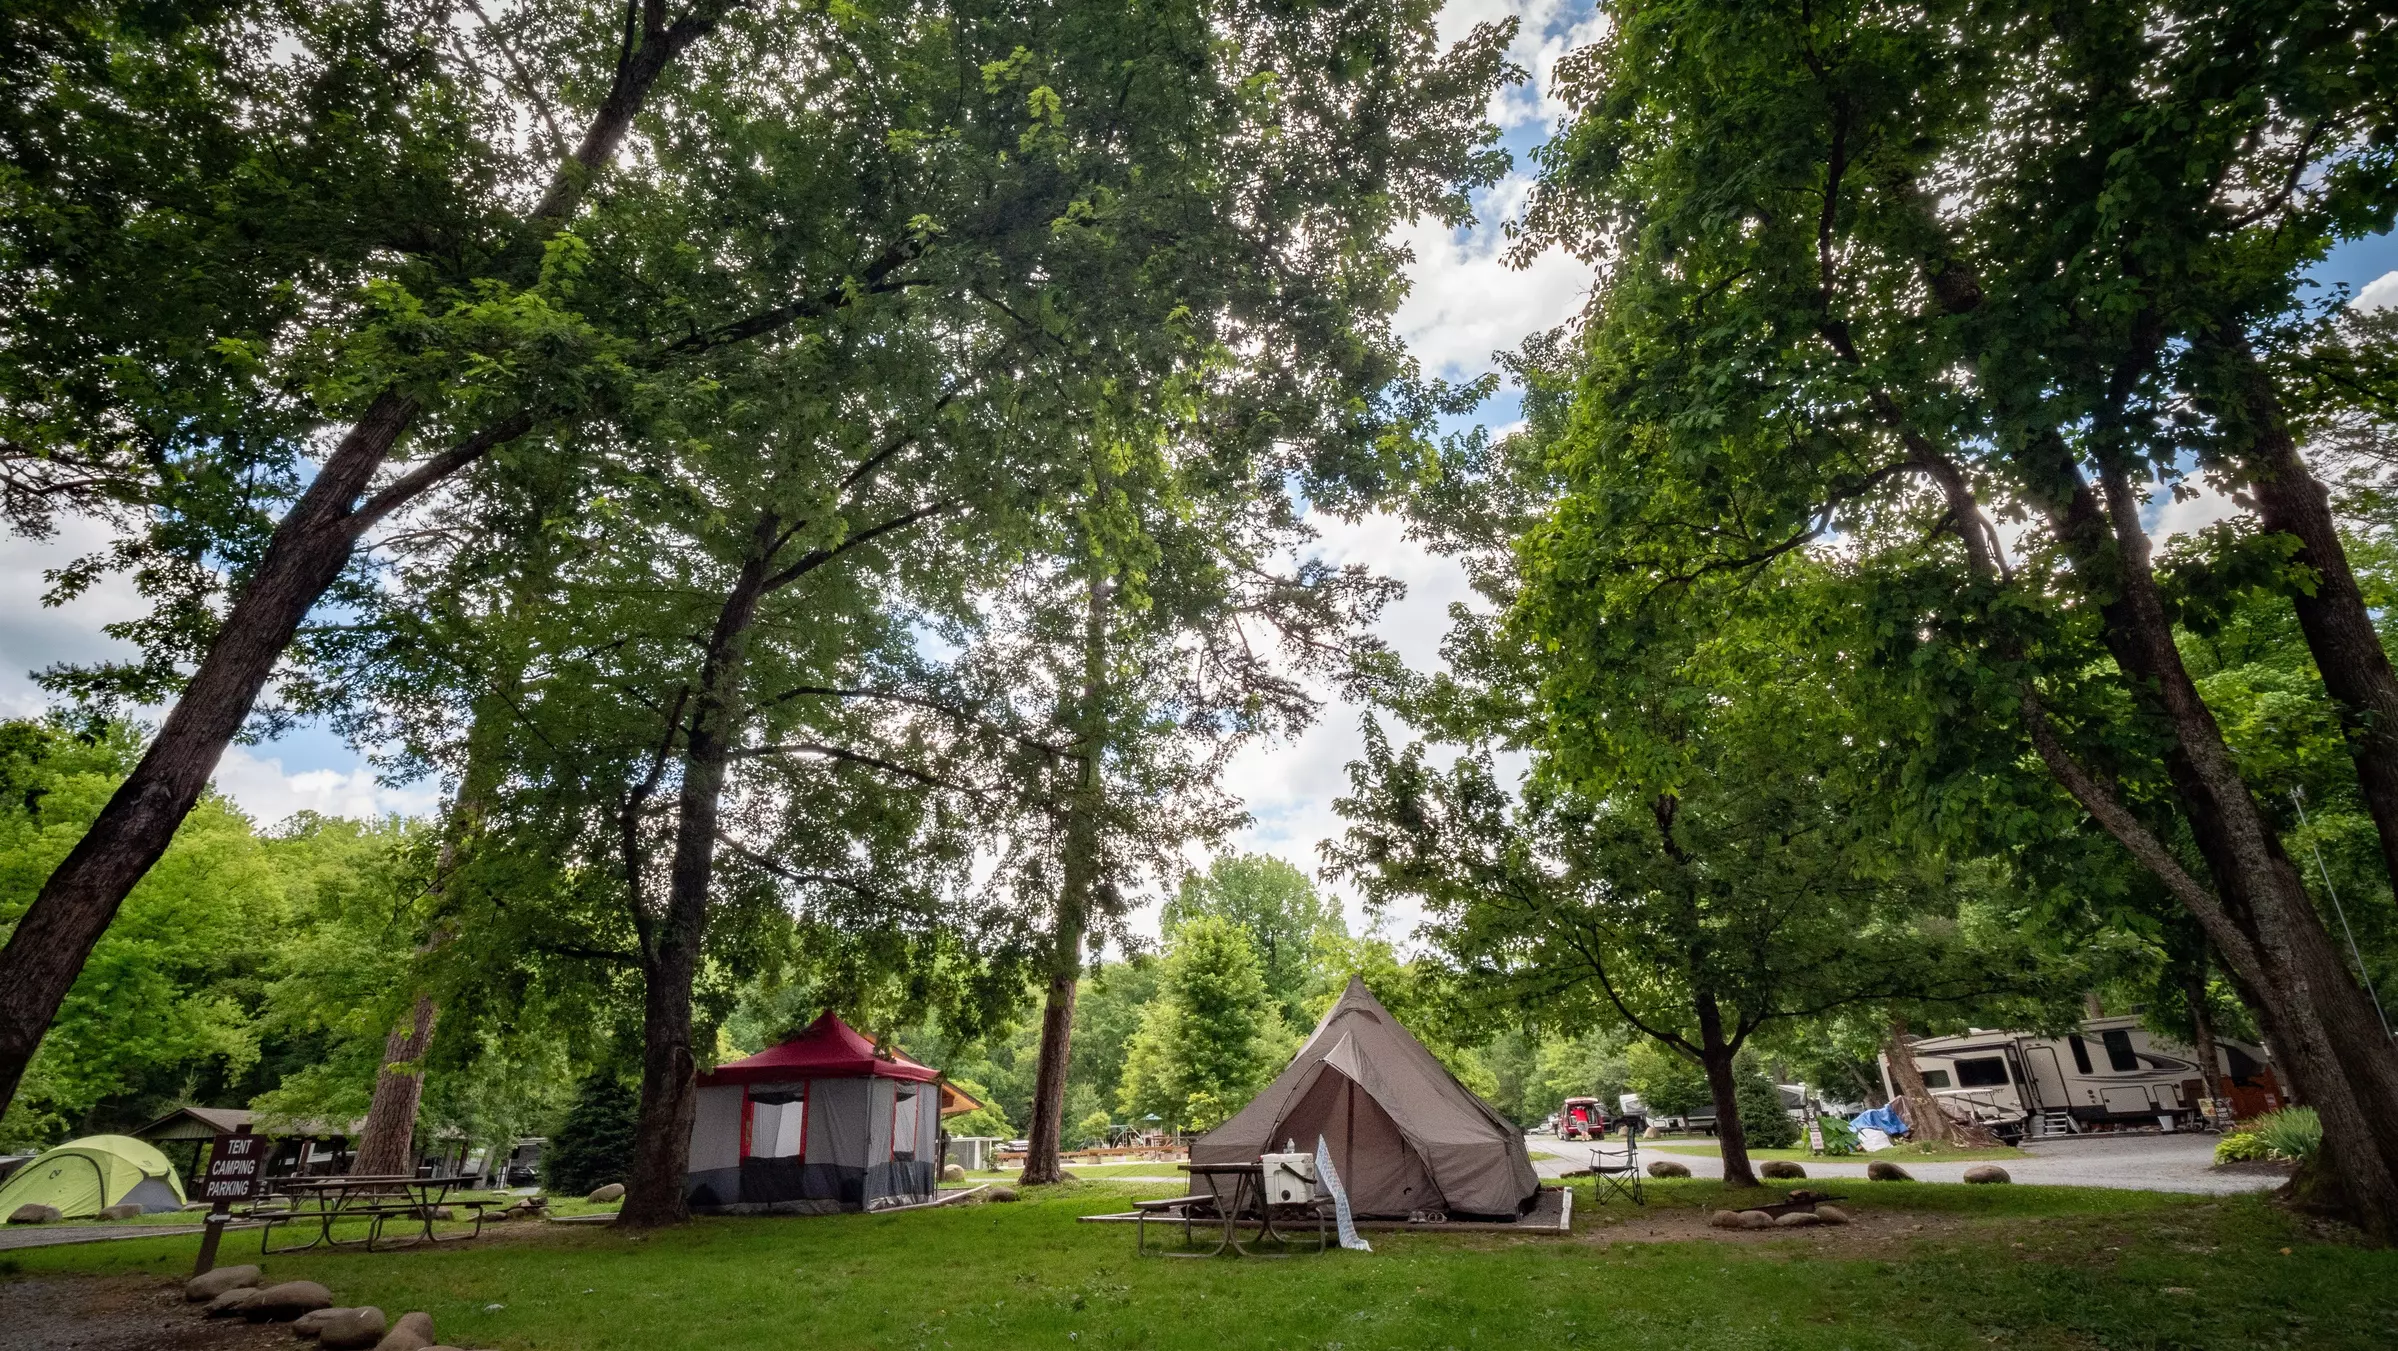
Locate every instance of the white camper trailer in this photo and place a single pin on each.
(2111, 1073)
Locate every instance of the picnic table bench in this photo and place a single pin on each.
(1247, 1204)
(323, 1202)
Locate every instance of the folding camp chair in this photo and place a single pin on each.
(1617, 1170)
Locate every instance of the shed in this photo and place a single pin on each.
(1404, 1135)
(820, 1123)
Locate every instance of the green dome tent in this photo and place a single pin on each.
(83, 1176)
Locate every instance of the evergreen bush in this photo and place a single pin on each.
(594, 1145)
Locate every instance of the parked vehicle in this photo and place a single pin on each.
(522, 1166)
(2111, 1074)
(1581, 1119)
(1631, 1111)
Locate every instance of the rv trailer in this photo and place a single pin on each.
(2112, 1073)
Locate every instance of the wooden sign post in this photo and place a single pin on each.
(236, 1172)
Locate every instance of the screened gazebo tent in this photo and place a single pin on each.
(1404, 1135)
(83, 1177)
(820, 1123)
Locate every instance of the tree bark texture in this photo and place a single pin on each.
(1924, 1118)
(389, 1140)
(2258, 916)
(1079, 876)
(2202, 1035)
(654, 1192)
(386, 1146)
(2339, 630)
(309, 549)
(1716, 1054)
(76, 905)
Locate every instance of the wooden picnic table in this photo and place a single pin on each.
(1247, 1203)
(374, 1198)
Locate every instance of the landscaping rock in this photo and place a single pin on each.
(1797, 1219)
(1756, 1219)
(1781, 1168)
(1669, 1168)
(1831, 1214)
(1002, 1193)
(312, 1322)
(1879, 1171)
(285, 1302)
(33, 1212)
(1653, 1133)
(210, 1284)
(953, 1173)
(414, 1332)
(129, 1210)
(1802, 1196)
(351, 1329)
(1986, 1173)
(1725, 1219)
(614, 1191)
(230, 1303)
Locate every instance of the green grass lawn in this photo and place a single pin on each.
(1084, 1171)
(1895, 1154)
(1930, 1266)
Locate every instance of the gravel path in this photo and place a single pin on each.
(2166, 1163)
(45, 1235)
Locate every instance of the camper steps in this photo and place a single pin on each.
(2052, 1123)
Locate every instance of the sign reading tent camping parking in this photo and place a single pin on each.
(236, 1172)
(236, 1169)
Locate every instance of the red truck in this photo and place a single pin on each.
(1581, 1119)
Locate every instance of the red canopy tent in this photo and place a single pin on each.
(829, 1049)
(824, 1121)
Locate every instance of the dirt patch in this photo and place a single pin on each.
(121, 1313)
(1868, 1232)
(2255, 1168)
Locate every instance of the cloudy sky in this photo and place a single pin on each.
(1466, 304)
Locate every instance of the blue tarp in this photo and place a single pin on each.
(1880, 1119)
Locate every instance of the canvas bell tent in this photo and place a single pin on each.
(820, 1123)
(1404, 1135)
(84, 1177)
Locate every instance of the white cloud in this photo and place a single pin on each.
(1290, 786)
(2379, 294)
(2170, 517)
(259, 785)
(1467, 303)
(34, 636)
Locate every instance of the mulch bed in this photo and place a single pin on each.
(122, 1313)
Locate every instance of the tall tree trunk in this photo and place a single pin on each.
(2339, 630)
(654, 1191)
(1716, 1054)
(386, 1146)
(2259, 917)
(1079, 877)
(1925, 1121)
(75, 906)
(2202, 1035)
(388, 1142)
(309, 549)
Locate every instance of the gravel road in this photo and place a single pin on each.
(2166, 1163)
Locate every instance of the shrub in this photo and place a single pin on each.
(2291, 1133)
(2241, 1147)
(594, 1145)
(1762, 1116)
(1092, 1129)
(1838, 1136)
